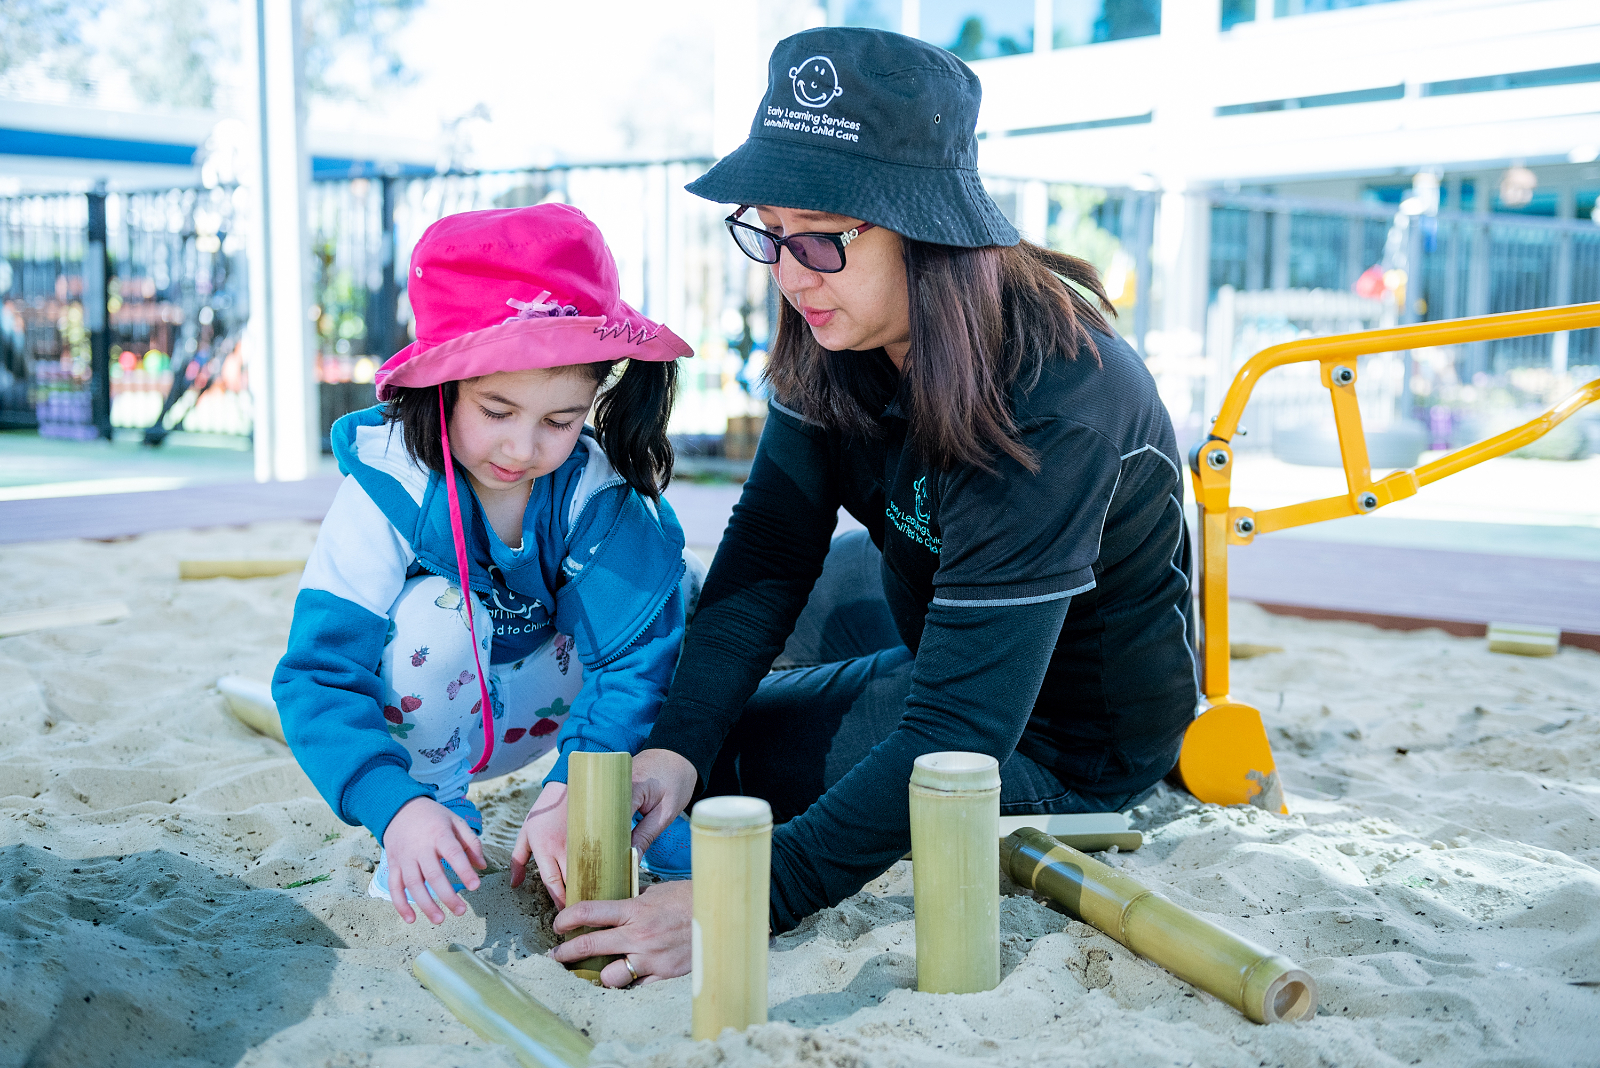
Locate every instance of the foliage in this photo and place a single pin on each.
(351, 50)
(46, 29)
(176, 52)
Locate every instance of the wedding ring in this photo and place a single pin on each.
(629, 965)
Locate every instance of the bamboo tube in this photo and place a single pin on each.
(955, 836)
(251, 701)
(76, 615)
(190, 570)
(1263, 985)
(500, 1011)
(599, 837)
(731, 855)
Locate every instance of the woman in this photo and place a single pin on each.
(1004, 449)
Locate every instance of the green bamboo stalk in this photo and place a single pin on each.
(1266, 987)
(731, 855)
(599, 838)
(499, 1011)
(955, 837)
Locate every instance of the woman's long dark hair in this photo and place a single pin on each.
(630, 417)
(983, 321)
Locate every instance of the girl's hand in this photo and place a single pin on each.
(422, 834)
(651, 930)
(544, 838)
(663, 785)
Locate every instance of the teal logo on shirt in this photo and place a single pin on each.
(915, 526)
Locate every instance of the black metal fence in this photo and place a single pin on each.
(122, 310)
(171, 278)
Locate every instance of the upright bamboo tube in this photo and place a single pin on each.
(1264, 986)
(731, 854)
(500, 1011)
(599, 837)
(955, 838)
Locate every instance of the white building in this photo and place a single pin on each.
(1277, 144)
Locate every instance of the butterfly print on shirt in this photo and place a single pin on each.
(436, 755)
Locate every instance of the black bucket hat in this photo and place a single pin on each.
(873, 125)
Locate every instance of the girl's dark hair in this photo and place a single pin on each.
(983, 320)
(630, 418)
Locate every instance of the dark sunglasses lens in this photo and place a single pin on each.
(817, 253)
(756, 245)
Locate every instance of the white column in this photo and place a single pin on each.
(739, 73)
(1044, 25)
(1033, 211)
(282, 373)
(911, 17)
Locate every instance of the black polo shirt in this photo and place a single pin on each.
(969, 558)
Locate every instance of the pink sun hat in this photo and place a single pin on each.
(514, 290)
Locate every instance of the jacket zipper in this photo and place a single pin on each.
(660, 609)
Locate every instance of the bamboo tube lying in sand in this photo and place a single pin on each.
(72, 615)
(190, 570)
(499, 1011)
(251, 702)
(1263, 985)
(955, 838)
(731, 855)
(599, 837)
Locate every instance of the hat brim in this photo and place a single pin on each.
(527, 345)
(941, 205)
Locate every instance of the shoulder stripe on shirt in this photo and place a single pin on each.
(1006, 602)
(1176, 471)
(791, 413)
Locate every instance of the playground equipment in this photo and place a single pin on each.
(731, 852)
(1226, 758)
(74, 615)
(499, 1011)
(251, 701)
(955, 838)
(599, 849)
(1266, 987)
(194, 570)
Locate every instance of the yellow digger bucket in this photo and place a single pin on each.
(1226, 758)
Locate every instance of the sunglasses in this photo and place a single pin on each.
(823, 253)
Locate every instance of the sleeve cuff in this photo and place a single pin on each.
(376, 794)
(578, 744)
(1054, 588)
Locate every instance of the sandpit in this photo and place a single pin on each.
(1437, 876)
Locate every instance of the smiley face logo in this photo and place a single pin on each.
(816, 83)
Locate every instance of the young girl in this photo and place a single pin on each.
(478, 473)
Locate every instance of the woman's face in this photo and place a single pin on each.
(513, 426)
(863, 307)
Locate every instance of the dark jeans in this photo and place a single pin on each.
(837, 690)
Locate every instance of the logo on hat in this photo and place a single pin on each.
(816, 83)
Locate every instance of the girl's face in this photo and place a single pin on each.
(513, 426)
(866, 305)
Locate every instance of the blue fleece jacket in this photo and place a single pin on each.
(607, 571)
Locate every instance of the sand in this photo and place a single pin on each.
(1437, 876)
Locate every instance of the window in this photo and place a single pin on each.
(1285, 8)
(974, 29)
(874, 14)
(1081, 22)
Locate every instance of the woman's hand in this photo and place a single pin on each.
(651, 930)
(420, 835)
(663, 784)
(544, 838)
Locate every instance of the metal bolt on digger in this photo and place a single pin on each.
(1226, 758)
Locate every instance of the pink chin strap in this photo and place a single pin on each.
(466, 587)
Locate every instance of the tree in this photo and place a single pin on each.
(176, 52)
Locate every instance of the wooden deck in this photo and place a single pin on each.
(1407, 589)
(121, 515)
(1391, 587)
